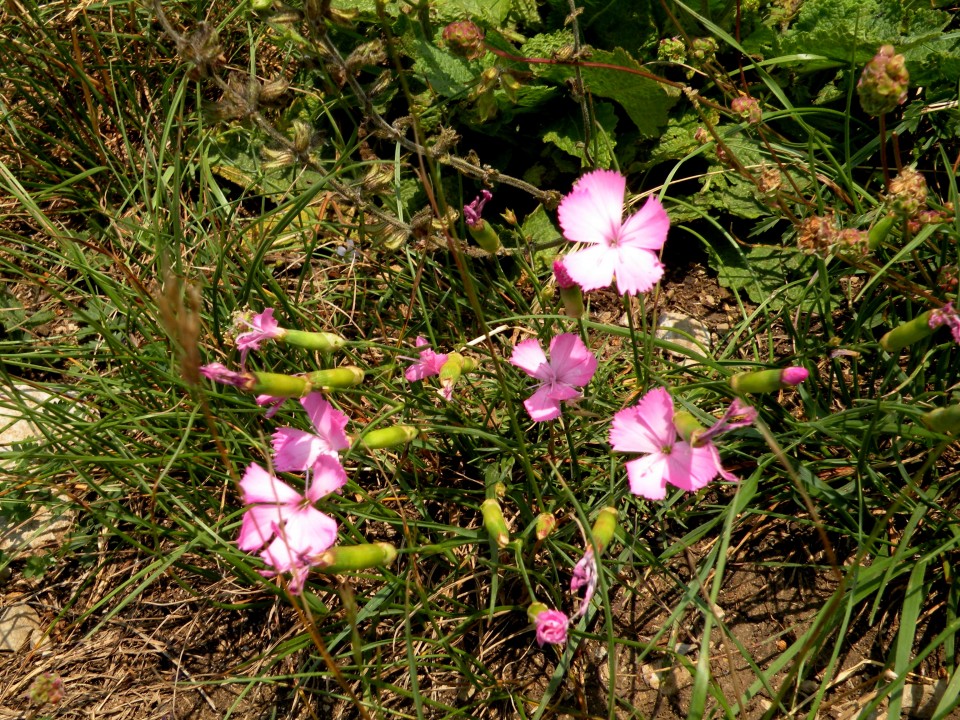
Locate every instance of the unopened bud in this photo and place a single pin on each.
(687, 425)
(908, 333)
(545, 523)
(341, 377)
(486, 237)
(494, 522)
(325, 342)
(879, 232)
(764, 381)
(604, 527)
(747, 108)
(277, 385)
(388, 437)
(943, 420)
(346, 558)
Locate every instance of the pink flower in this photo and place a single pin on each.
(571, 366)
(551, 627)
(472, 211)
(428, 365)
(271, 402)
(564, 281)
(944, 316)
(648, 428)
(585, 575)
(262, 327)
(295, 530)
(623, 249)
(220, 373)
(298, 450)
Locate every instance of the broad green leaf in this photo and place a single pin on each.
(567, 135)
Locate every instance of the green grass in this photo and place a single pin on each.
(136, 223)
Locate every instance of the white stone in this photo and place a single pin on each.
(685, 331)
(19, 628)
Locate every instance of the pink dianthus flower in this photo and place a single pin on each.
(263, 327)
(592, 214)
(551, 627)
(571, 366)
(428, 365)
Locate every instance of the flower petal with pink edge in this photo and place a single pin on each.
(529, 357)
(571, 360)
(636, 270)
(593, 267)
(647, 228)
(593, 211)
(647, 427)
(327, 421)
(427, 365)
(328, 476)
(542, 406)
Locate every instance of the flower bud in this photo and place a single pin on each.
(345, 558)
(687, 425)
(278, 385)
(908, 333)
(545, 524)
(551, 624)
(672, 49)
(570, 293)
(604, 527)
(764, 381)
(878, 233)
(486, 237)
(324, 342)
(883, 84)
(341, 377)
(464, 38)
(943, 420)
(494, 522)
(388, 437)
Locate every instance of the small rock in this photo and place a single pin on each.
(19, 628)
(684, 331)
(919, 701)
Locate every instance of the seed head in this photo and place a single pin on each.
(464, 38)
(883, 84)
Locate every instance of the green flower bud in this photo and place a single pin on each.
(279, 385)
(486, 237)
(878, 233)
(908, 333)
(324, 342)
(346, 558)
(341, 377)
(943, 420)
(764, 381)
(534, 610)
(687, 425)
(604, 527)
(494, 522)
(545, 524)
(388, 437)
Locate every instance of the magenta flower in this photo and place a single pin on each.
(648, 428)
(220, 373)
(277, 514)
(585, 575)
(571, 366)
(298, 450)
(623, 249)
(945, 316)
(271, 402)
(262, 327)
(472, 211)
(551, 627)
(428, 365)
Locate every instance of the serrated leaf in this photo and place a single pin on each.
(446, 74)
(567, 135)
(538, 228)
(765, 274)
(644, 100)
